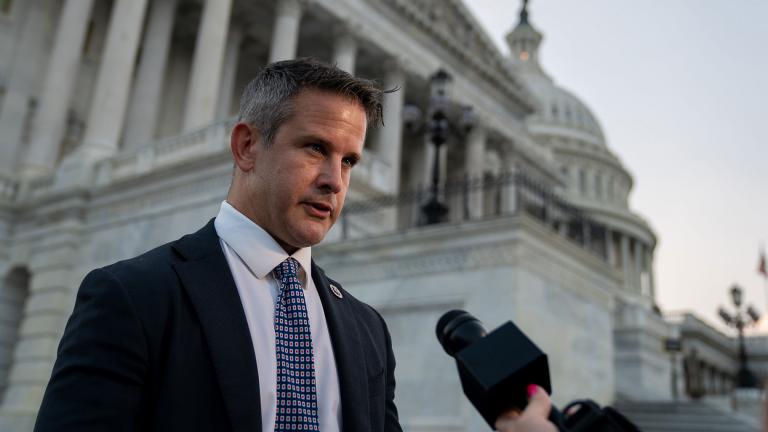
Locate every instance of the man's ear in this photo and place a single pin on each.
(243, 142)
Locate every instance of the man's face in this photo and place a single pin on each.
(297, 186)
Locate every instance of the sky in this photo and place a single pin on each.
(680, 88)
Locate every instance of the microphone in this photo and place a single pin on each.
(495, 368)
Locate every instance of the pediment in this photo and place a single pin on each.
(454, 27)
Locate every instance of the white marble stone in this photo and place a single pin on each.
(285, 33)
(227, 87)
(204, 84)
(144, 106)
(18, 106)
(61, 73)
(110, 100)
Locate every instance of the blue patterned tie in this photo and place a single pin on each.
(296, 388)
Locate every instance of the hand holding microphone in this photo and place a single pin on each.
(534, 416)
(497, 370)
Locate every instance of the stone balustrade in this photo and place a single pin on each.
(165, 152)
(9, 187)
(372, 172)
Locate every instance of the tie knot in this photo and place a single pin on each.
(287, 269)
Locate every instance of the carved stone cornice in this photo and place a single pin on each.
(453, 27)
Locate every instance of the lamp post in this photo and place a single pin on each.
(434, 210)
(741, 319)
(440, 126)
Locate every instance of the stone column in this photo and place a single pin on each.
(110, 100)
(389, 137)
(574, 174)
(638, 267)
(610, 251)
(24, 73)
(509, 192)
(474, 160)
(345, 50)
(145, 104)
(46, 310)
(285, 34)
(651, 276)
(625, 261)
(229, 74)
(590, 183)
(207, 64)
(57, 90)
(421, 174)
(649, 267)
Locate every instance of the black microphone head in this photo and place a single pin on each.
(458, 329)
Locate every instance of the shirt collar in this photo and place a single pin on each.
(258, 250)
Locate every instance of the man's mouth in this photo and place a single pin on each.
(318, 209)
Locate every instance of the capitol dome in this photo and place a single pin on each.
(559, 113)
(595, 179)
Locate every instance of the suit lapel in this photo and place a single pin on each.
(348, 351)
(208, 280)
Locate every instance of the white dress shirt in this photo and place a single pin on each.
(252, 254)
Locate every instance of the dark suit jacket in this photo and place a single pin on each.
(160, 343)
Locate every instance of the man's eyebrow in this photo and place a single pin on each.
(356, 156)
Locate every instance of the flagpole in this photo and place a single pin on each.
(762, 270)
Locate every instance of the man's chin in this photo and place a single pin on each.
(310, 235)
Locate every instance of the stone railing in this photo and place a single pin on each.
(165, 152)
(38, 187)
(371, 174)
(372, 171)
(505, 195)
(9, 187)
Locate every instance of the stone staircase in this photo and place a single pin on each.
(684, 417)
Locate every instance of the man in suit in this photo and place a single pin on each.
(234, 328)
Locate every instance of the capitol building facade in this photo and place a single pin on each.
(114, 122)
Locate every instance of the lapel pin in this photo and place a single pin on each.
(336, 291)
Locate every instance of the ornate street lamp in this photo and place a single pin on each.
(744, 378)
(434, 210)
(445, 118)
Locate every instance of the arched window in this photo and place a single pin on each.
(582, 181)
(14, 290)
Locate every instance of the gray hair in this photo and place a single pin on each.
(266, 101)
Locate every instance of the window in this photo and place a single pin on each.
(583, 181)
(15, 288)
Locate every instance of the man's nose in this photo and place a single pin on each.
(330, 178)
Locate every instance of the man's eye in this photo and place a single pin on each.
(349, 162)
(317, 148)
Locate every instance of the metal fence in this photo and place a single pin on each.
(475, 199)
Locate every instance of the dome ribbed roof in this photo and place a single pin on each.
(559, 112)
(562, 113)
